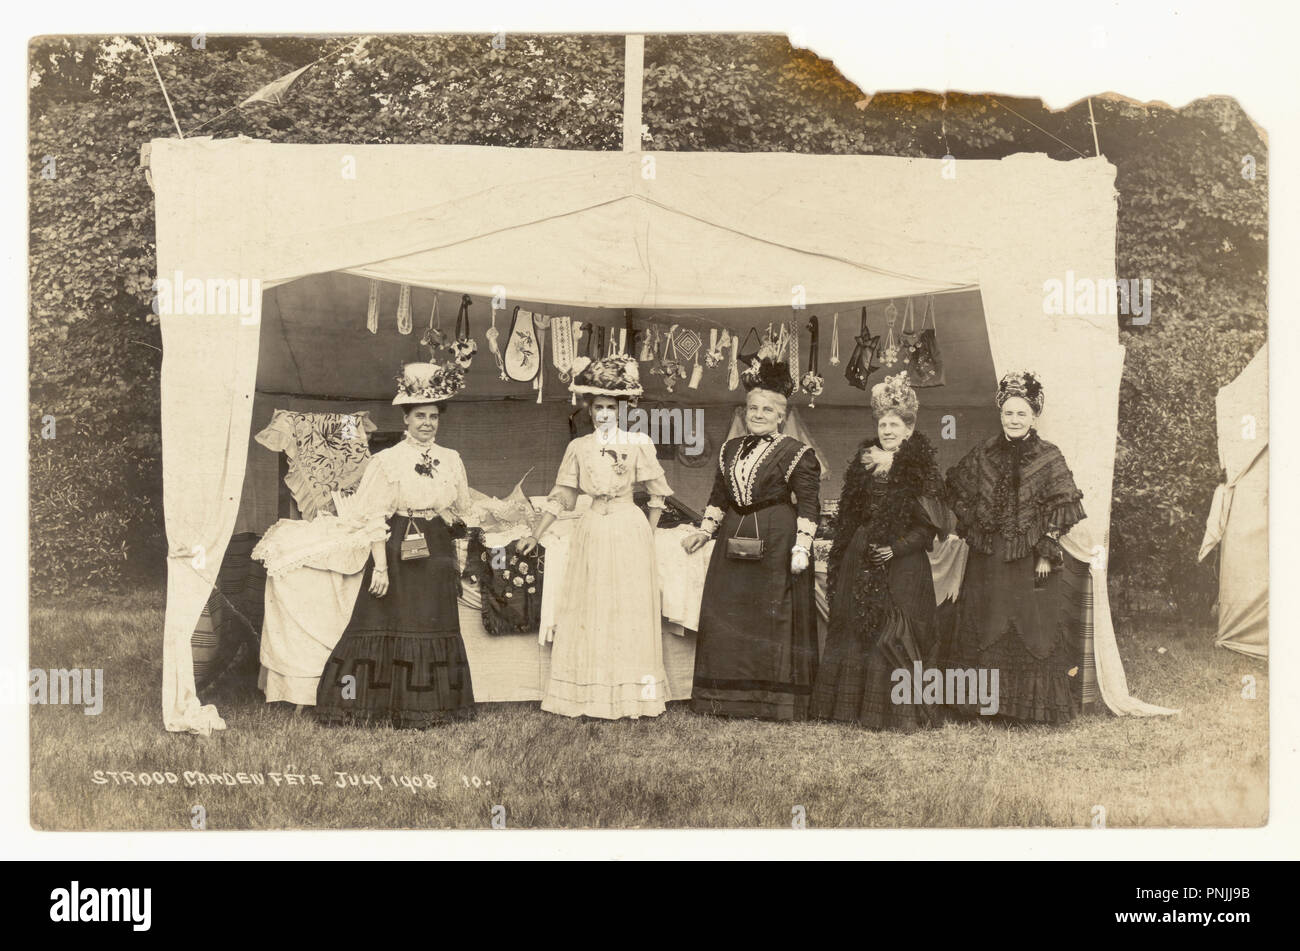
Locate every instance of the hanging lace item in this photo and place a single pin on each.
(835, 339)
(562, 346)
(733, 366)
(372, 310)
(647, 344)
(404, 310)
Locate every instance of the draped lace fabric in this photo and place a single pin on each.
(327, 453)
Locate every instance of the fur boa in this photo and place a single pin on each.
(887, 508)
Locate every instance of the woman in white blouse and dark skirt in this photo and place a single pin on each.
(401, 661)
(607, 660)
(756, 653)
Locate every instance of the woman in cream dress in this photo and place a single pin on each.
(607, 659)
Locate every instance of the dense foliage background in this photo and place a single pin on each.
(1188, 219)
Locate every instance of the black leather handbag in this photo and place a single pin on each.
(745, 547)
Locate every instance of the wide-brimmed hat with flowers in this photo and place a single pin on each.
(429, 382)
(616, 376)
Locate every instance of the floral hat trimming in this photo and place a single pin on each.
(429, 382)
(767, 371)
(1024, 384)
(616, 376)
(894, 394)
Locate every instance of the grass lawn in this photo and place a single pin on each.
(1207, 766)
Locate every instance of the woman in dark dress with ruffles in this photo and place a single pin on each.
(879, 584)
(1014, 496)
(756, 653)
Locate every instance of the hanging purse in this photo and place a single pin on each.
(812, 380)
(522, 359)
(746, 547)
(414, 546)
(864, 358)
(925, 368)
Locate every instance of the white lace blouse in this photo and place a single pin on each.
(409, 477)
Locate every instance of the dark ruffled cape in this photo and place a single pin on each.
(1019, 489)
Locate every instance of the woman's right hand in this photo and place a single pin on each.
(695, 541)
(379, 582)
(525, 545)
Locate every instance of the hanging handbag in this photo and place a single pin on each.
(745, 547)
(925, 367)
(864, 358)
(522, 358)
(414, 546)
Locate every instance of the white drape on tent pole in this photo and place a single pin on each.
(613, 229)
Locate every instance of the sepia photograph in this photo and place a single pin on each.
(611, 430)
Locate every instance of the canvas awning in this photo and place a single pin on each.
(615, 230)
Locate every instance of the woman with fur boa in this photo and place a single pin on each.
(880, 589)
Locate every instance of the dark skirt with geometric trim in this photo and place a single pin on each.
(856, 681)
(756, 649)
(401, 661)
(1011, 622)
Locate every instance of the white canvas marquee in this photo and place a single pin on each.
(617, 230)
(1238, 519)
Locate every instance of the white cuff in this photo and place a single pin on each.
(712, 518)
(656, 502)
(805, 529)
(554, 506)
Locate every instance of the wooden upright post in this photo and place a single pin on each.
(633, 70)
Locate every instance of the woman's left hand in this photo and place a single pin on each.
(1043, 568)
(881, 554)
(798, 561)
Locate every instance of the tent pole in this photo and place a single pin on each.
(633, 70)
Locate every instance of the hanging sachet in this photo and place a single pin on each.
(925, 366)
(521, 359)
(404, 310)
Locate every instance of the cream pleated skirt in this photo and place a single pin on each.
(607, 656)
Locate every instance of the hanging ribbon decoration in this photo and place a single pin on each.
(404, 310)
(463, 347)
(794, 353)
(433, 337)
(494, 347)
(835, 339)
(543, 321)
(372, 309)
(812, 380)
